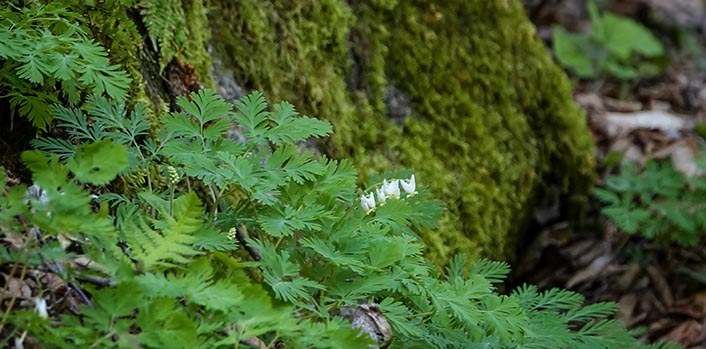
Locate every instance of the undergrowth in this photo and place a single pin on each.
(178, 236)
(230, 243)
(64, 51)
(657, 202)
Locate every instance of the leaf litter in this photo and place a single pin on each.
(659, 290)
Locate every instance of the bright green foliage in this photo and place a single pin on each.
(614, 46)
(99, 162)
(61, 50)
(167, 239)
(657, 202)
(176, 280)
(42, 48)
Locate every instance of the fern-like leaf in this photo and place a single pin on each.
(166, 241)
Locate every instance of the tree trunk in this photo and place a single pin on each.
(462, 92)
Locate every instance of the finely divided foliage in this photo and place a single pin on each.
(36, 58)
(175, 277)
(657, 202)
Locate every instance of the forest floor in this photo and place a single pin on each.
(660, 288)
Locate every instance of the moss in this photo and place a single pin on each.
(195, 48)
(493, 118)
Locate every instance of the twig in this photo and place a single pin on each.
(97, 280)
(54, 266)
(242, 235)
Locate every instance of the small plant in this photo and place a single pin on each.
(615, 47)
(657, 202)
(46, 56)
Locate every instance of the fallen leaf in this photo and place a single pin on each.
(687, 333)
(591, 272)
(622, 123)
(661, 286)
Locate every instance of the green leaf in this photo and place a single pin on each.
(165, 241)
(329, 252)
(62, 148)
(398, 315)
(598, 29)
(283, 275)
(628, 219)
(197, 284)
(205, 105)
(289, 129)
(252, 116)
(33, 69)
(607, 196)
(164, 324)
(285, 221)
(99, 162)
(211, 239)
(623, 36)
(493, 271)
(571, 51)
(619, 70)
(35, 107)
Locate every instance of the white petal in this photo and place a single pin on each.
(381, 195)
(392, 188)
(40, 305)
(364, 203)
(409, 186)
(368, 202)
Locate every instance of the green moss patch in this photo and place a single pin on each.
(492, 118)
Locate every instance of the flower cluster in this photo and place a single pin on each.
(231, 233)
(174, 176)
(389, 189)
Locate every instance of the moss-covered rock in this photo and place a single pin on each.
(492, 116)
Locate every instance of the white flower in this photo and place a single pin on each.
(409, 186)
(368, 202)
(40, 305)
(392, 189)
(381, 196)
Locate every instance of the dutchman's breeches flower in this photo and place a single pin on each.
(368, 203)
(392, 189)
(409, 186)
(387, 190)
(381, 196)
(40, 306)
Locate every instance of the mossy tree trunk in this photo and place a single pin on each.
(490, 121)
(461, 91)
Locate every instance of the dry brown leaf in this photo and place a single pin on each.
(622, 106)
(626, 309)
(660, 284)
(17, 289)
(694, 306)
(591, 272)
(628, 278)
(690, 332)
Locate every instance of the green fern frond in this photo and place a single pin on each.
(205, 106)
(166, 27)
(290, 129)
(166, 241)
(197, 284)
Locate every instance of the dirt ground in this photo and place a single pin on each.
(660, 290)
